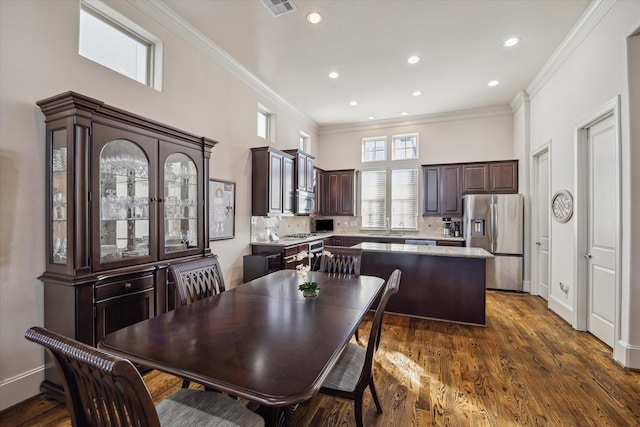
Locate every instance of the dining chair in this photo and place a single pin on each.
(196, 280)
(105, 390)
(344, 260)
(353, 372)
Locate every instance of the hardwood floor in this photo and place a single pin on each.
(527, 367)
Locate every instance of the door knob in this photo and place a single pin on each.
(538, 243)
(587, 255)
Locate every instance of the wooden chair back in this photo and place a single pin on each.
(100, 389)
(393, 284)
(344, 261)
(197, 279)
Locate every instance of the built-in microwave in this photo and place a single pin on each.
(305, 203)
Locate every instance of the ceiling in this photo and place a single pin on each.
(368, 42)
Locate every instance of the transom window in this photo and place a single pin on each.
(405, 147)
(112, 40)
(374, 149)
(266, 127)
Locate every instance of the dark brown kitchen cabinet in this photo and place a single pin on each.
(340, 192)
(475, 178)
(273, 180)
(441, 185)
(125, 198)
(490, 177)
(303, 165)
(503, 177)
(318, 189)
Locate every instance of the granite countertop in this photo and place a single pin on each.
(296, 241)
(446, 251)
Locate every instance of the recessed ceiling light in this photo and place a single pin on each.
(413, 59)
(314, 17)
(417, 93)
(333, 75)
(511, 41)
(371, 117)
(404, 113)
(493, 83)
(353, 103)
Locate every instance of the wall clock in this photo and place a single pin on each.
(562, 205)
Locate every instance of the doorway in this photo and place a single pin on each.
(598, 191)
(540, 218)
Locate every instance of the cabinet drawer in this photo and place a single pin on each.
(122, 287)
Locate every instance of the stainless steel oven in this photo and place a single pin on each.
(316, 247)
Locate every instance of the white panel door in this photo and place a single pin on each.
(541, 218)
(602, 230)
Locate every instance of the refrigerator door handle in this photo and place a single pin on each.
(494, 225)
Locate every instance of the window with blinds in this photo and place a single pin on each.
(404, 199)
(402, 203)
(374, 203)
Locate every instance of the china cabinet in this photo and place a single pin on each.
(126, 198)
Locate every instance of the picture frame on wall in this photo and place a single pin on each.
(222, 207)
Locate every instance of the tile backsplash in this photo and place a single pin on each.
(262, 227)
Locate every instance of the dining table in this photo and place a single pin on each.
(262, 340)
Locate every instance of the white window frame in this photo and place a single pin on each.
(122, 24)
(365, 150)
(390, 221)
(394, 151)
(270, 131)
(364, 190)
(305, 142)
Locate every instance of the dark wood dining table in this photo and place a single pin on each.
(262, 340)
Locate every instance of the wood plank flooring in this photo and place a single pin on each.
(526, 368)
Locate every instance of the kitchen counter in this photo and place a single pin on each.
(443, 283)
(286, 241)
(441, 251)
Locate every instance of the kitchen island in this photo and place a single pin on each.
(438, 282)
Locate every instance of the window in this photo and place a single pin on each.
(404, 199)
(405, 147)
(305, 142)
(265, 124)
(402, 203)
(374, 149)
(374, 205)
(111, 40)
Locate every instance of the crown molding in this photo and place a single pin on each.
(165, 16)
(476, 113)
(585, 25)
(518, 100)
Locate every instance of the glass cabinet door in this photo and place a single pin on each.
(181, 203)
(124, 202)
(59, 194)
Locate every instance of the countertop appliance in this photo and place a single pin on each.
(494, 222)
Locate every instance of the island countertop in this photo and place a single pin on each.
(444, 251)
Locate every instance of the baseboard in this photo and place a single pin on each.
(627, 355)
(561, 309)
(526, 286)
(20, 387)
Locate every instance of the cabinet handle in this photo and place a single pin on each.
(127, 285)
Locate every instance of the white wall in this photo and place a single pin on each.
(39, 41)
(477, 135)
(589, 78)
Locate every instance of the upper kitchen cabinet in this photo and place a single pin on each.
(340, 192)
(490, 177)
(303, 164)
(442, 185)
(272, 182)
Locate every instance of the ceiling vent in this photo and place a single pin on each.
(279, 7)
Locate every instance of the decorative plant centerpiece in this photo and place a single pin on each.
(308, 287)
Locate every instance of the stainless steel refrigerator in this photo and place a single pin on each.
(494, 222)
